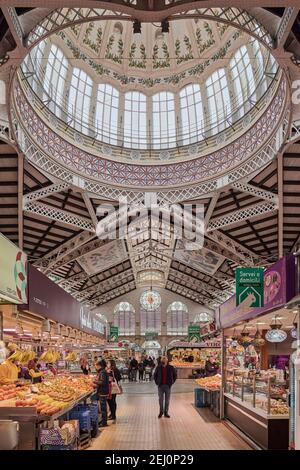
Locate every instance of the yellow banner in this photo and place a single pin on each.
(13, 273)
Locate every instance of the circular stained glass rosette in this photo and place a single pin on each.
(150, 300)
(276, 336)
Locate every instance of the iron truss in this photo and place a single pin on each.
(241, 214)
(103, 287)
(197, 284)
(104, 298)
(59, 215)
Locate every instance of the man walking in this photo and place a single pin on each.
(165, 376)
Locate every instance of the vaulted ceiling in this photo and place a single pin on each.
(55, 237)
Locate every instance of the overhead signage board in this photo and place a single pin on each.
(48, 299)
(279, 288)
(13, 273)
(249, 287)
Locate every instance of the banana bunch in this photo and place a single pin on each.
(27, 356)
(72, 356)
(50, 356)
(16, 356)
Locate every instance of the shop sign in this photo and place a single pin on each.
(279, 288)
(113, 333)
(194, 333)
(51, 301)
(90, 322)
(249, 286)
(13, 273)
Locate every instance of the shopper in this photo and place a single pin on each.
(102, 384)
(141, 370)
(211, 367)
(151, 364)
(133, 369)
(84, 365)
(116, 389)
(34, 371)
(165, 376)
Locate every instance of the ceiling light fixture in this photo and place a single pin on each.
(276, 334)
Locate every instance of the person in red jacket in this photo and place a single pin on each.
(165, 376)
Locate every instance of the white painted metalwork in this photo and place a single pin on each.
(45, 192)
(15, 26)
(288, 18)
(59, 215)
(53, 259)
(241, 214)
(255, 191)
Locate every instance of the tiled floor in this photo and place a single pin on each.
(138, 427)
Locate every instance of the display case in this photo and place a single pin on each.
(264, 392)
(257, 404)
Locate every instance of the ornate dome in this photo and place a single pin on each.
(154, 108)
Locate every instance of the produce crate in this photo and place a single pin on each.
(84, 418)
(71, 446)
(200, 398)
(92, 408)
(85, 440)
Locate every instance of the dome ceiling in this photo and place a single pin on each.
(152, 57)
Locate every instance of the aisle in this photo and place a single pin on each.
(138, 427)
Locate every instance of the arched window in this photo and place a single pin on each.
(177, 319)
(243, 79)
(218, 101)
(80, 99)
(33, 68)
(106, 116)
(150, 321)
(192, 120)
(203, 317)
(124, 318)
(135, 120)
(55, 78)
(260, 67)
(163, 120)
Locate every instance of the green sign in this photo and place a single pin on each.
(194, 333)
(114, 333)
(249, 287)
(13, 273)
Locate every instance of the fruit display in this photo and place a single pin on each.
(49, 397)
(7, 392)
(193, 357)
(210, 383)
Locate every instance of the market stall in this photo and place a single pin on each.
(190, 358)
(257, 348)
(40, 407)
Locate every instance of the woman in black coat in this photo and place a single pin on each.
(115, 376)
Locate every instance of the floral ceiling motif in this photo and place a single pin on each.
(161, 59)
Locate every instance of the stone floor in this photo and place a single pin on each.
(138, 427)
